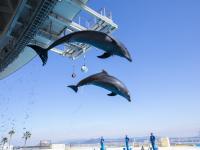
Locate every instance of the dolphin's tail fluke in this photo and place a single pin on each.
(73, 87)
(43, 53)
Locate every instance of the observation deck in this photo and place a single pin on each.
(41, 22)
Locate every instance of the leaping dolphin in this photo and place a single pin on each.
(106, 81)
(97, 39)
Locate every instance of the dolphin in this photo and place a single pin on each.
(106, 81)
(97, 39)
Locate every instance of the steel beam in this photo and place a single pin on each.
(66, 22)
(81, 5)
(19, 9)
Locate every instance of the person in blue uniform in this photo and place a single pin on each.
(152, 140)
(127, 142)
(102, 144)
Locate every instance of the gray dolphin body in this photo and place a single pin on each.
(104, 80)
(97, 39)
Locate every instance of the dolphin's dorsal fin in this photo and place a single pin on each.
(105, 72)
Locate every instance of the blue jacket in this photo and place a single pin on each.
(152, 139)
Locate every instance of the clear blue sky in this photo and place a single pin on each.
(164, 80)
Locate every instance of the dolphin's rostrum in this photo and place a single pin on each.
(106, 81)
(97, 39)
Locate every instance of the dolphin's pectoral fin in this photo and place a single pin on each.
(104, 55)
(112, 94)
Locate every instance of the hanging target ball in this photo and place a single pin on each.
(73, 75)
(84, 68)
